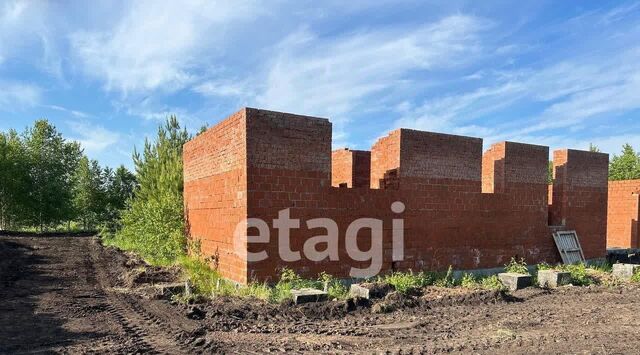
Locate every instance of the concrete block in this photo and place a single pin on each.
(306, 295)
(515, 281)
(369, 290)
(553, 278)
(624, 271)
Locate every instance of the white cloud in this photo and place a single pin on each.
(330, 77)
(93, 138)
(570, 93)
(224, 88)
(158, 44)
(17, 95)
(75, 113)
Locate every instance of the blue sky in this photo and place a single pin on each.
(557, 73)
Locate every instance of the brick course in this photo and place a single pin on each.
(463, 208)
(623, 214)
(580, 193)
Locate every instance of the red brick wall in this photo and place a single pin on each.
(350, 167)
(215, 191)
(623, 214)
(493, 169)
(439, 178)
(431, 161)
(361, 168)
(580, 197)
(385, 156)
(341, 167)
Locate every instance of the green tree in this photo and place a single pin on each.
(153, 223)
(14, 180)
(51, 165)
(625, 166)
(89, 194)
(594, 148)
(120, 187)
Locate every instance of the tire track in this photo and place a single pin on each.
(149, 332)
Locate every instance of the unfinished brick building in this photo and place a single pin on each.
(463, 208)
(623, 214)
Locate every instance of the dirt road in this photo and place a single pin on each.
(56, 295)
(65, 294)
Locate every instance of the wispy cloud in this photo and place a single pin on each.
(332, 76)
(158, 44)
(93, 138)
(75, 113)
(225, 88)
(18, 95)
(566, 95)
(27, 25)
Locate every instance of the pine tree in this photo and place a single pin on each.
(625, 166)
(153, 224)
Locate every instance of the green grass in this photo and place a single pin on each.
(405, 282)
(488, 282)
(469, 281)
(447, 280)
(208, 283)
(492, 283)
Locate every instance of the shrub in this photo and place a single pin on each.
(544, 266)
(517, 267)
(335, 288)
(579, 274)
(492, 283)
(468, 281)
(636, 277)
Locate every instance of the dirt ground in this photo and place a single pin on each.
(65, 294)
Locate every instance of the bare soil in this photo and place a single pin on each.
(69, 294)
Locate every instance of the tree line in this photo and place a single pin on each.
(47, 182)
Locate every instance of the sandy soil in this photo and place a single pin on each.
(66, 294)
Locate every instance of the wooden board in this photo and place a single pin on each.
(569, 247)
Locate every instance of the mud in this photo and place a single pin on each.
(65, 294)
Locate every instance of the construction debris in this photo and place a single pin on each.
(306, 295)
(569, 247)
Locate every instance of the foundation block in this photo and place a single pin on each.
(515, 281)
(625, 271)
(553, 278)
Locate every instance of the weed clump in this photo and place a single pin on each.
(405, 282)
(517, 266)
